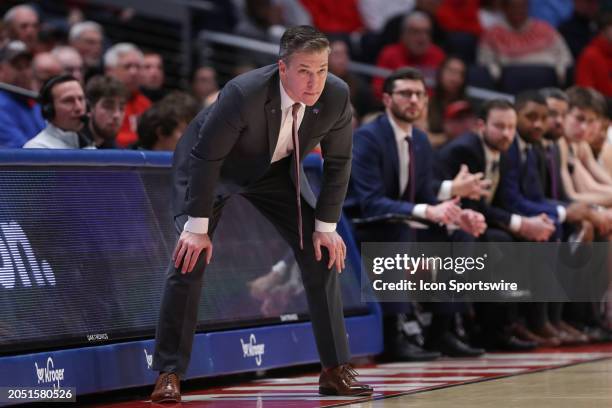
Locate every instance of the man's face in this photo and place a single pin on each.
(72, 63)
(69, 104)
(339, 58)
(499, 128)
(152, 71)
(17, 72)
(25, 27)
(304, 75)
(557, 110)
(417, 36)
(532, 120)
(580, 124)
(89, 45)
(128, 70)
(107, 116)
(205, 82)
(407, 100)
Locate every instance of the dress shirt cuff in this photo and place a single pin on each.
(515, 222)
(420, 211)
(196, 225)
(562, 213)
(446, 190)
(321, 226)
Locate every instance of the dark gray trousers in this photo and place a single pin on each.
(274, 196)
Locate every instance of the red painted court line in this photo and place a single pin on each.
(391, 379)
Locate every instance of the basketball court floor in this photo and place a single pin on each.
(570, 377)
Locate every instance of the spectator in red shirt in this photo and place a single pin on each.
(414, 49)
(594, 67)
(124, 62)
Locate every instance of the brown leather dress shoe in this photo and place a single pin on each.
(342, 380)
(167, 388)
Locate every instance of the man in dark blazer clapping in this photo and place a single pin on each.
(252, 142)
(393, 174)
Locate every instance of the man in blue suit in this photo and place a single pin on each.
(392, 174)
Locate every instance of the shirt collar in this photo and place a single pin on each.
(523, 145)
(60, 133)
(286, 101)
(400, 134)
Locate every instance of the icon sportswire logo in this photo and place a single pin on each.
(48, 374)
(252, 349)
(14, 243)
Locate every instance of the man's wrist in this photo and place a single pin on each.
(321, 226)
(197, 225)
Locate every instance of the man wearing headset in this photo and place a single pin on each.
(63, 106)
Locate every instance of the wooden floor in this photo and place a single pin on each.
(568, 377)
(580, 386)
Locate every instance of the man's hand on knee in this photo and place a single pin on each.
(335, 246)
(188, 249)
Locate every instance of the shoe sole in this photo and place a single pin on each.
(331, 391)
(167, 400)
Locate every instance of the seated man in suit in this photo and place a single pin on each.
(392, 174)
(521, 191)
(484, 152)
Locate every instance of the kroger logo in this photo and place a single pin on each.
(14, 242)
(252, 349)
(49, 374)
(149, 359)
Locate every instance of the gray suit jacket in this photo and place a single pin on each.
(230, 144)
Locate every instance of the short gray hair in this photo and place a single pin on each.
(79, 28)
(302, 38)
(111, 57)
(10, 14)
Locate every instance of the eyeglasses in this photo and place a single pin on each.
(407, 94)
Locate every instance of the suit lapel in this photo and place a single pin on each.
(391, 152)
(273, 114)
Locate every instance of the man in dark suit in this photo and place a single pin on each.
(392, 174)
(248, 143)
(484, 152)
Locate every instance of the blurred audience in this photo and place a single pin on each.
(63, 105)
(204, 85)
(20, 117)
(162, 126)
(23, 24)
(71, 61)
(361, 95)
(450, 87)
(594, 68)
(414, 49)
(581, 27)
(106, 97)
(124, 61)
(87, 38)
(521, 40)
(44, 66)
(153, 76)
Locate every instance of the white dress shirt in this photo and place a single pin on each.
(419, 210)
(284, 147)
